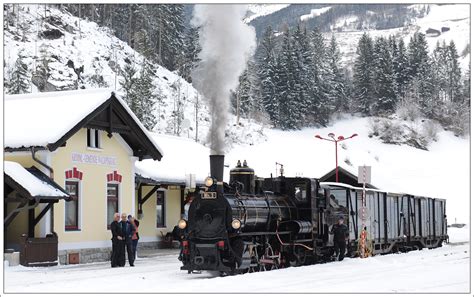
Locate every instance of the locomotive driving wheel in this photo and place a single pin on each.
(252, 252)
(299, 256)
(270, 259)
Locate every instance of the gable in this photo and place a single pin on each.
(52, 126)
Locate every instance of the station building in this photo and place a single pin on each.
(81, 150)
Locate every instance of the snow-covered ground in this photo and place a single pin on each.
(440, 270)
(258, 10)
(314, 13)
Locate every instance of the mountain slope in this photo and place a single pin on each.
(81, 54)
(349, 21)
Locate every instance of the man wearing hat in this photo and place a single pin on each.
(341, 234)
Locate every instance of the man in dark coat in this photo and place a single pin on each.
(127, 229)
(117, 239)
(341, 234)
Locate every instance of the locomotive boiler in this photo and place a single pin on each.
(254, 224)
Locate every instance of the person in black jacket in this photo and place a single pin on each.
(127, 229)
(341, 234)
(117, 239)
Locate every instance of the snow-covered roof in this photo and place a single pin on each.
(40, 119)
(32, 184)
(185, 156)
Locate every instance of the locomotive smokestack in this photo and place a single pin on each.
(217, 167)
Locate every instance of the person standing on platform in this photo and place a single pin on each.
(117, 238)
(127, 230)
(341, 234)
(135, 236)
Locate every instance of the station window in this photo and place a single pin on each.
(93, 138)
(72, 206)
(112, 202)
(160, 209)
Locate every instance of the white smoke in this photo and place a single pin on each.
(227, 43)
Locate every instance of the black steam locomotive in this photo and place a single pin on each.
(254, 224)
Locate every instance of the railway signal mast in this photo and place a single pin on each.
(364, 177)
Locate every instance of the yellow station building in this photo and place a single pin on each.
(86, 143)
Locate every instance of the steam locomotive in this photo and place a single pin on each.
(255, 224)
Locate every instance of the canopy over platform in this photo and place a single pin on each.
(30, 183)
(28, 188)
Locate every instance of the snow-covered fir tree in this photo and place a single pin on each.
(19, 78)
(42, 72)
(363, 74)
(400, 68)
(420, 72)
(191, 51)
(454, 84)
(384, 78)
(337, 98)
(129, 86)
(267, 65)
(287, 87)
(303, 75)
(245, 97)
(319, 69)
(147, 98)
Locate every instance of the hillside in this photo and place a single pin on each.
(81, 54)
(349, 22)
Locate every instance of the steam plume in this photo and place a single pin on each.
(227, 43)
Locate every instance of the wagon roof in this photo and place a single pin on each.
(333, 184)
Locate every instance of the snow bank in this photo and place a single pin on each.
(314, 13)
(31, 183)
(459, 235)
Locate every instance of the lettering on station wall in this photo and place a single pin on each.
(94, 159)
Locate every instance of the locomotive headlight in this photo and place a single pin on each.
(236, 224)
(209, 181)
(182, 224)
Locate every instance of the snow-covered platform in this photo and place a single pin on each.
(444, 270)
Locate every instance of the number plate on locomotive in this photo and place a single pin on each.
(209, 195)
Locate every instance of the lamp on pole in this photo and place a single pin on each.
(333, 139)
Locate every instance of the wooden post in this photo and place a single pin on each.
(31, 220)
